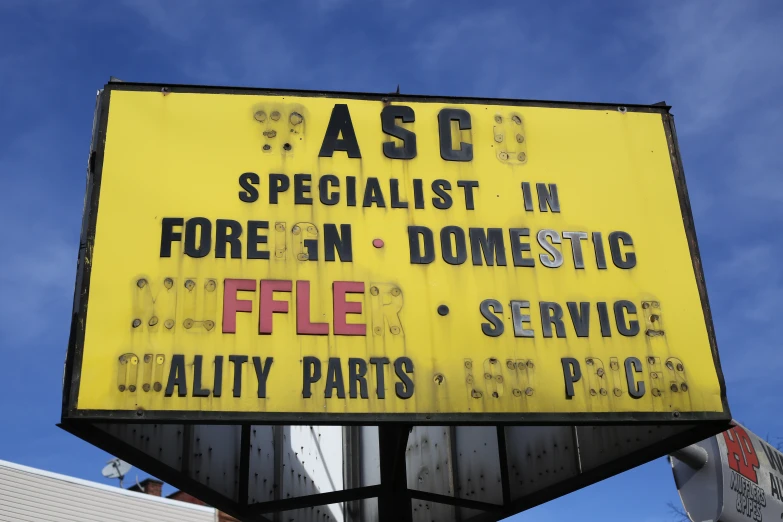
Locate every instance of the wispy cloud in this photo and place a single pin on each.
(173, 20)
(228, 45)
(719, 64)
(718, 58)
(39, 264)
(494, 52)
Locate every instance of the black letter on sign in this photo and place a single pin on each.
(205, 241)
(635, 389)
(394, 188)
(378, 362)
(254, 239)
(488, 308)
(445, 117)
(350, 191)
(551, 313)
(490, 243)
(518, 247)
(571, 373)
(340, 123)
(168, 235)
(262, 372)
(373, 194)
(300, 189)
(576, 247)
(326, 197)
(402, 367)
(238, 361)
(519, 319)
(277, 183)
(580, 317)
(198, 391)
(217, 391)
(417, 257)
(527, 196)
(547, 197)
(177, 377)
(447, 250)
(468, 187)
(357, 370)
(439, 187)
(554, 239)
(598, 245)
(334, 379)
(418, 193)
(620, 309)
(224, 237)
(603, 319)
(615, 238)
(389, 126)
(340, 242)
(246, 181)
(310, 376)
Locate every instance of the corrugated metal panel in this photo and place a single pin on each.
(599, 445)
(27, 494)
(162, 442)
(261, 465)
(214, 457)
(428, 456)
(479, 467)
(428, 460)
(539, 457)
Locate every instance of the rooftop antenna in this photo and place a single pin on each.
(116, 468)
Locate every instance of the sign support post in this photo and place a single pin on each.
(394, 502)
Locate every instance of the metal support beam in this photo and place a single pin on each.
(319, 499)
(503, 457)
(394, 502)
(277, 477)
(244, 466)
(352, 471)
(455, 501)
(187, 437)
(694, 456)
(454, 468)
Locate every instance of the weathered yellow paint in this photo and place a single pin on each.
(181, 155)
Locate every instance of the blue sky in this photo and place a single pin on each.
(720, 64)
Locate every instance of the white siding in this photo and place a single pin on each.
(28, 494)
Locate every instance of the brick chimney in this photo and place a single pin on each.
(149, 486)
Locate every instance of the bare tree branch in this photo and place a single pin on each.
(679, 514)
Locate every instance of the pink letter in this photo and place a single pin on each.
(342, 308)
(303, 324)
(269, 305)
(232, 305)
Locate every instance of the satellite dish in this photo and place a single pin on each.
(116, 468)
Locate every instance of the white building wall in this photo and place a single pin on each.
(29, 494)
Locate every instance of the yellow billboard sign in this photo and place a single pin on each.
(321, 257)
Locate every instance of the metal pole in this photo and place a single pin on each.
(694, 456)
(352, 472)
(394, 502)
